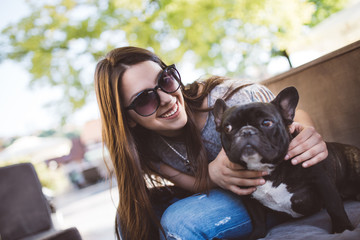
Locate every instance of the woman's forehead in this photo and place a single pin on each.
(139, 77)
(143, 71)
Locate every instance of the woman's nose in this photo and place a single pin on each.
(165, 98)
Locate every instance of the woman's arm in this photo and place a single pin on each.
(223, 173)
(307, 147)
(180, 179)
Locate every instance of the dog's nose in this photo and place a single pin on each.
(247, 131)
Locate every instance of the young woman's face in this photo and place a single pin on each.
(170, 117)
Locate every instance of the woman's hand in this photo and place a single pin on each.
(307, 147)
(233, 177)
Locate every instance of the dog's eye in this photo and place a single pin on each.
(267, 123)
(227, 128)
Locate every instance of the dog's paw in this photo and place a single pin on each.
(339, 228)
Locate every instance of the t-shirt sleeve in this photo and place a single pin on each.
(260, 93)
(252, 92)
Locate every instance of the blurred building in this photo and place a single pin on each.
(91, 132)
(76, 153)
(95, 152)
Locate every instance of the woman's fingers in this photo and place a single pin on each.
(243, 182)
(312, 156)
(241, 173)
(246, 182)
(304, 135)
(307, 147)
(243, 186)
(234, 166)
(314, 160)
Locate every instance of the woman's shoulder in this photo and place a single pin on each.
(223, 89)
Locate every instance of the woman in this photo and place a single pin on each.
(154, 127)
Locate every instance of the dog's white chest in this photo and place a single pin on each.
(276, 198)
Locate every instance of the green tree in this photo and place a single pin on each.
(60, 41)
(324, 8)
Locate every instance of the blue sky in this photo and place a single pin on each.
(16, 101)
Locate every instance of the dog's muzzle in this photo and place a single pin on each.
(247, 131)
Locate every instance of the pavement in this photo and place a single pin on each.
(91, 210)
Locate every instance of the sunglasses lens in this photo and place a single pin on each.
(169, 82)
(146, 103)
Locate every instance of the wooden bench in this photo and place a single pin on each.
(329, 89)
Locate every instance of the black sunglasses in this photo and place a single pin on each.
(147, 101)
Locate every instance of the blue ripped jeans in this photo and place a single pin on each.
(220, 214)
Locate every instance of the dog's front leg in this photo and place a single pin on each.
(257, 214)
(331, 199)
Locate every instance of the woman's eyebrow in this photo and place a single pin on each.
(155, 81)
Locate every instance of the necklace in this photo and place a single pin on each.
(184, 158)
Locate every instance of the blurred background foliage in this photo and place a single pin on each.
(60, 41)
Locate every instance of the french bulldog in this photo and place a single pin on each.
(257, 137)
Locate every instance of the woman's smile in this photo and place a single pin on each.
(172, 113)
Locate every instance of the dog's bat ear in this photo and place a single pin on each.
(287, 101)
(218, 111)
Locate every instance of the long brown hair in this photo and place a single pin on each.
(131, 158)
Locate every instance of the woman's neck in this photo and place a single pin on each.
(176, 138)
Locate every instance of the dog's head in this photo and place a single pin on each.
(256, 135)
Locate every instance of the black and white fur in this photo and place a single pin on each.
(256, 136)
